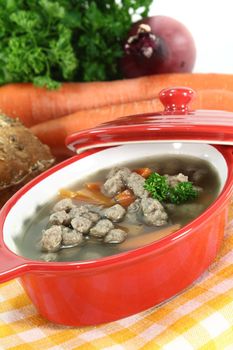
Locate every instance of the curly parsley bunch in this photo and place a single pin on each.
(46, 42)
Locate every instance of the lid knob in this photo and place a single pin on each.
(177, 99)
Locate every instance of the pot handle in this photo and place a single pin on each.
(11, 265)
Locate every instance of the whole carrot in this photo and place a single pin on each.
(216, 99)
(34, 105)
(54, 132)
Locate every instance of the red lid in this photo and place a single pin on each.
(175, 124)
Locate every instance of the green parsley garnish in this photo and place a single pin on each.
(182, 192)
(159, 189)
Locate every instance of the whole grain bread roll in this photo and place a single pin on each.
(22, 156)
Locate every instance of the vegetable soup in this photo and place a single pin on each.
(119, 209)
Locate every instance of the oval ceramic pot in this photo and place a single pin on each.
(99, 291)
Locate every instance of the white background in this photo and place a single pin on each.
(211, 25)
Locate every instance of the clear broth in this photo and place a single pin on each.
(28, 243)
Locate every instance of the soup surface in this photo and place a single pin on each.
(112, 211)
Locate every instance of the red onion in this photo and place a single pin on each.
(158, 44)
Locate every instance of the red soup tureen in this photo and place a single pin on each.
(95, 291)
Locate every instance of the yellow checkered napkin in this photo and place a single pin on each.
(199, 318)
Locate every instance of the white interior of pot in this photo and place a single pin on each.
(45, 190)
